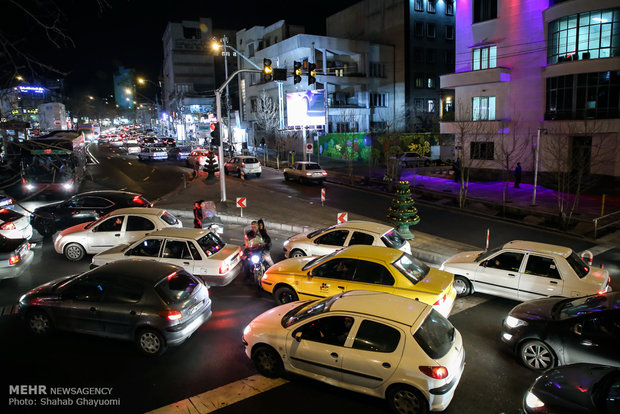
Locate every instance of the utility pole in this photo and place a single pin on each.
(543, 130)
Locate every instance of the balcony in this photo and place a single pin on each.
(475, 77)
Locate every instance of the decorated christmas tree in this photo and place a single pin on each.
(402, 213)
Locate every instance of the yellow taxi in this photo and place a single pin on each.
(360, 267)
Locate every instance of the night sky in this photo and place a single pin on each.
(110, 33)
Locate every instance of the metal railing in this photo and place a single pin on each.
(598, 227)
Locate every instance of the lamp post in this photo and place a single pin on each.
(543, 130)
(143, 81)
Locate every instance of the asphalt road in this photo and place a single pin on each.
(493, 381)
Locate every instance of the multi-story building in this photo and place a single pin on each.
(357, 78)
(422, 33)
(544, 71)
(21, 102)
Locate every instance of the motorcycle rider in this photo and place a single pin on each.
(262, 231)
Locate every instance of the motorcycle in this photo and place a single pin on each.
(255, 265)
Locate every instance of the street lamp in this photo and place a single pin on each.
(143, 81)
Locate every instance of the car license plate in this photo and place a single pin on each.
(316, 174)
(195, 308)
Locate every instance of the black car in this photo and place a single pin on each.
(548, 332)
(153, 304)
(13, 254)
(575, 389)
(82, 208)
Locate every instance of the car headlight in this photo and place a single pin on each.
(513, 322)
(533, 401)
(22, 298)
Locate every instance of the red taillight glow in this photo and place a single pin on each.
(13, 260)
(171, 315)
(602, 292)
(243, 164)
(438, 372)
(308, 174)
(138, 200)
(8, 226)
(224, 268)
(259, 163)
(324, 173)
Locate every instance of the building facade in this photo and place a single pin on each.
(537, 82)
(422, 33)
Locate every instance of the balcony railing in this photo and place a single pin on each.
(608, 113)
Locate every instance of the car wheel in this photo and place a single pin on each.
(46, 227)
(39, 323)
(462, 286)
(267, 361)
(257, 175)
(286, 177)
(406, 400)
(150, 342)
(74, 252)
(284, 295)
(297, 253)
(537, 355)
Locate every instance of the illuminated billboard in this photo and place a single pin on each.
(305, 108)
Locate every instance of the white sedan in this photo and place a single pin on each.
(14, 225)
(523, 270)
(199, 252)
(375, 343)
(305, 172)
(124, 225)
(153, 153)
(330, 239)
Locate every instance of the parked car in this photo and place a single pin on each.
(14, 253)
(125, 225)
(545, 333)
(305, 172)
(360, 267)
(179, 153)
(374, 343)
(341, 235)
(199, 252)
(414, 159)
(575, 389)
(14, 225)
(523, 270)
(152, 153)
(246, 163)
(82, 208)
(199, 158)
(153, 304)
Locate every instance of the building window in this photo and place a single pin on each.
(431, 56)
(484, 58)
(251, 50)
(377, 70)
(418, 5)
(449, 8)
(590, 35)
(482, 150)
(253, 104)
(419, 29)
(448, 57)
(418, 104)
(450, 32)
(431, 6)
(378, 100)
(419, 80)
(430, 106)
(583, 96)
(191, 32)
(430, 82)
(419, 55)
(484, 10)
(483, 108)
(431, 30)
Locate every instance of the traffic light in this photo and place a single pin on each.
(267, 70)
(215, 134)
(311, 73)
(296, 72)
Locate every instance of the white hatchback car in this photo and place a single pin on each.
(330, 239)
(153, 153)
(523, 270)
(199, 252)
(246, 163)
(14, 225)
(374, 343)
(125, 225)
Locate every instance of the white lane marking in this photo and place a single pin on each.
(223, 396)
(90, 154)
(146, 178)
(129, 162)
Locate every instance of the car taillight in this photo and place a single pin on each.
(437, 372)
(171, 315)
(308, 174)
(139, 200)
(324, 173)
(8, 226)
(13, 260)
(440, 300)
(259, 163)
(243, 164)
(224, 268)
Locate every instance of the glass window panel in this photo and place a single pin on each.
(562, 45)
(476, 59)
(606, 35)
(595, 35)
(491, 108)
(595, 17)
(476, 108)
(584, 19)
(484, 107)
(572, 21)
(605, 53)
(571, 40)
(493, 56)
(563, 23)
(594, 54)
(607, 16)
(484, 57)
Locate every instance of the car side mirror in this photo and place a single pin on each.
(309, 274)
(298, 336)
(485, 263)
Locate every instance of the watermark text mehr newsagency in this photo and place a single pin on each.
(44, 395)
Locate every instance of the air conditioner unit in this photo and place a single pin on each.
(585, 55)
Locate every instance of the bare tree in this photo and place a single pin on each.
(508, 147)
(267, 121)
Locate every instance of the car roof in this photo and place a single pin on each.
(185, 233)
(139, 210)
(544, 248)
(364, 225)
(362, 251)
(245, 156)
(306, 162)
(146, 270)
(109, 194)
(383, 305)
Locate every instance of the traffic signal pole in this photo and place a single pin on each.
(218, 103)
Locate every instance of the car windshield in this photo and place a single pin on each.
(7, 215)
(250, 160)
(393, 239)
(318, 260)
(94, 223)
(578, 265)
(484, 255)
(308, 309)
(412, 268)
(169, 218)
(211, 243)
(176, 287)
(317, 232)
(313, 167)
(570, 308)
(436, 335)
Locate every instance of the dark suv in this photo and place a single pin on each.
(82, 208)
